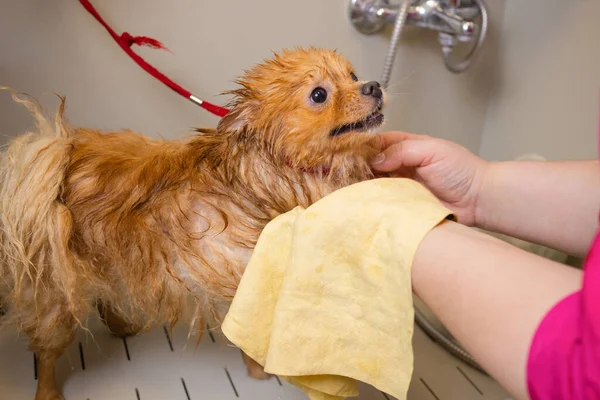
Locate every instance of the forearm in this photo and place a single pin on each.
(490, 295)
(551, 203)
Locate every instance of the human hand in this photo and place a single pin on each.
(451, 172)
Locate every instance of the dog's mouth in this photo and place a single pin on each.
(373, 120)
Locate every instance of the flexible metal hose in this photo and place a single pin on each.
(452, 347)
(421, 320)
(391, 55)
(468, 60)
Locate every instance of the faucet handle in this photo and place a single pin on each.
(458, 26)
(370, 16)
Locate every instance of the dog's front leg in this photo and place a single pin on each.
(255, 370)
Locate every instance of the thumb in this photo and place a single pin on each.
(407, 153)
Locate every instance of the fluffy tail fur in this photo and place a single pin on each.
(35, 226)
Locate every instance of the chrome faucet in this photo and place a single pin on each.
(453, 19)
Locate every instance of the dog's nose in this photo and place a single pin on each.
(372, 88)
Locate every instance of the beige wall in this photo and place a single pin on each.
(55, 46)
(546, 88)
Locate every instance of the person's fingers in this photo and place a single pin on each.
(403, 173)
(392, 137)
(409, 153)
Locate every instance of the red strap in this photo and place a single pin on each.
(125, 40)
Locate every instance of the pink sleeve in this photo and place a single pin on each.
(564, 359)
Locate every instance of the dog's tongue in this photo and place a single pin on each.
(374, 118)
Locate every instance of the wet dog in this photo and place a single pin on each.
(138, 227)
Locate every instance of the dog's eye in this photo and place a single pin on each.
(354, 78)
(319, 95)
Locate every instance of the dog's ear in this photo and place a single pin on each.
(242, 109)
(236, 120)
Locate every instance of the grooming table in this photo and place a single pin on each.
(161, 366)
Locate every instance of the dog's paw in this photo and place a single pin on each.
(258, 373)
(48, 395)
(255, 370)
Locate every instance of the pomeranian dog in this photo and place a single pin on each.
(136, 227)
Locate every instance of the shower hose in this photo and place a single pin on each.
(421, 320)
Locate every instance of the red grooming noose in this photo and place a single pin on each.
(125, 40)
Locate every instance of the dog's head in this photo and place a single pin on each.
(305, 106)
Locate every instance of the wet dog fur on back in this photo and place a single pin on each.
(141, 228)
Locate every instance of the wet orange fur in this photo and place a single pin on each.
(144, 226)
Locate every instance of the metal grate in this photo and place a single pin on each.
(165, 365)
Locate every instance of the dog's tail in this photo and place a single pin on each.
(35, 226)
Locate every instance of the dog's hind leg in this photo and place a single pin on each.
(115, 323)
(46, 387)
(49, 336)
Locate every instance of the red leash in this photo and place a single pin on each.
(125, 40)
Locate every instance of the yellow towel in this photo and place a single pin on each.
(325, 300)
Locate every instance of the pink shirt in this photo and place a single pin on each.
(564, 359)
